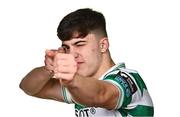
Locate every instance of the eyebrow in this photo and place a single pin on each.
(67, 47)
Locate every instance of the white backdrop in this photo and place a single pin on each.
(143, 34)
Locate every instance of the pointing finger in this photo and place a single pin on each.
(51, 53)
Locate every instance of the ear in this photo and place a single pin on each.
(104, 44)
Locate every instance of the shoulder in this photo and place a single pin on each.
(121, 70)
(122, 76)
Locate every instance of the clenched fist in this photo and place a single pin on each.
(49, 58)
(65, 66)
(62, 65)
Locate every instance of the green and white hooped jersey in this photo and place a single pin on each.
(135, 99)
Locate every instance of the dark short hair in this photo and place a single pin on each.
(81, 22)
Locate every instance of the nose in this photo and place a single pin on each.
(73, 52)
(75, 55)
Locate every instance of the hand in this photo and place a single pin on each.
(65, 66)
(49, 56)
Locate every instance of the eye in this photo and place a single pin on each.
(66, 48)
(80, 44)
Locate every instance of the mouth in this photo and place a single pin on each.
(79, 63)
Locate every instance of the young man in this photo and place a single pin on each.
(82, 72)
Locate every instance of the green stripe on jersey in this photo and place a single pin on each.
(140, 110)
(139, 81)
(77, 106)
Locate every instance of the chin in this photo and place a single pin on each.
(82, 73)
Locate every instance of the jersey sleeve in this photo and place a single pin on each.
(125, 85)
(68, 98)
(66, 95)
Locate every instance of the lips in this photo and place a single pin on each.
(79, 63)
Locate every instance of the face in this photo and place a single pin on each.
(86, 52)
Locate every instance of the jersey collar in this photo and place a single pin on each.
(115, 67)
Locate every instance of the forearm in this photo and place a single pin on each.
(93, 92)
(35, 80)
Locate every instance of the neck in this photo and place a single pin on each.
(106, 64)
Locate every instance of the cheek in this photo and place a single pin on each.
(91, 54)
(94, 56)
(92, 61)
(94, 50)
